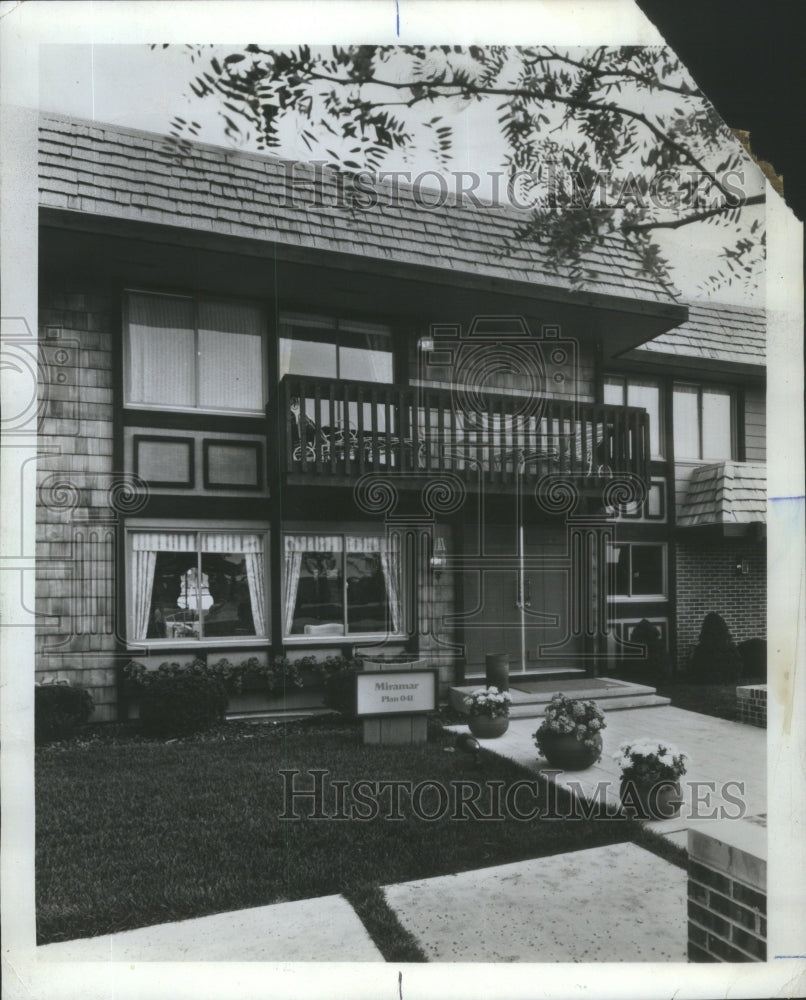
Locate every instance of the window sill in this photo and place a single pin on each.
(636, 599)
(156, 645)
(350, 638)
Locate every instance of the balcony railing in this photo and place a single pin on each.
(338, 431)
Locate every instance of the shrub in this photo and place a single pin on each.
(657, 665)
(754, 658)
(340, 689)
(59, 709)
(178, 704)
(715, 658)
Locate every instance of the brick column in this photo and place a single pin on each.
(727, 891)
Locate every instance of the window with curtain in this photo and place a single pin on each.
(622, 391)
(637, 570)
(341, 584)
(196, 585)
(193, 354)
(703, 422)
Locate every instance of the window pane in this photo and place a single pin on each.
(686, 422)
(367, 607)
(161, 339)
(614, 391)
(319, 604)
(228, 611)
(647, 395)
(654, 500)
(620, 571)
(647, 570)
(361, 365)
(716, 423)
(230, 357)
(307, 357)
(176, 598)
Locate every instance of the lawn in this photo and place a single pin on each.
(132, 832)
(718, 700)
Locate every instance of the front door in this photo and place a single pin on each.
(536, 637)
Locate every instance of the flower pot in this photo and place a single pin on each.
(565, 751)
(485, 728)
(660, 799)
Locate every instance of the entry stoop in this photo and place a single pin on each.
(529, 698)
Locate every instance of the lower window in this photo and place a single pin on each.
(195, 585)
(637, 569)
(341, 584)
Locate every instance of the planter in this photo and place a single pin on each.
(566, 752)
(659, 800)
(485, 728)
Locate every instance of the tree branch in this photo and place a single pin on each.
(638, 227)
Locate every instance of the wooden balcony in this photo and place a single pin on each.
(337, 432)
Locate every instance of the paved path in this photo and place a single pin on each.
(606, 904)
(308, 930)
(719, 752)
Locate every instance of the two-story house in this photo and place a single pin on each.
(272, 423)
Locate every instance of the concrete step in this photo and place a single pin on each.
(608, 692)
(535, 711)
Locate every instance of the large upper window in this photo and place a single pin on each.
(193, 354)
(335, 348)
(195, 585)
(341, 584)
(703, 422)
(638, 392)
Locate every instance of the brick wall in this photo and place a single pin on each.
(77, 491)
(727, 892)
(751, 704)
(707, 581)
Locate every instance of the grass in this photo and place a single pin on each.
(718, 700)
(132, 832)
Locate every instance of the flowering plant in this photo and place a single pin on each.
(583, 720)
(488, 701)
(650, 761)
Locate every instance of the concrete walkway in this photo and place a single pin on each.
(606, 904)
(719, 752)
(307, 930)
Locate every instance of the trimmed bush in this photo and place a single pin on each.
(715, 658)
(176, 704)
(657, 665)
(754, 658)
(59, 709)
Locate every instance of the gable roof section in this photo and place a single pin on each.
(715, 332)
(725, 493)
(126, 174)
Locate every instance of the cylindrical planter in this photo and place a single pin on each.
(485, 728)
(661, 799)
(565, 751)
(497, 671)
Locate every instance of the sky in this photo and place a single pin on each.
(141, 87)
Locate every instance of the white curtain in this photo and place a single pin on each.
(142, 585)
(390, 565)
(293, 565)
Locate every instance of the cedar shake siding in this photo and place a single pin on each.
(76, 527)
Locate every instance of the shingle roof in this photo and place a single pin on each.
(725, 493)
(716, 332)
(127, 174)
